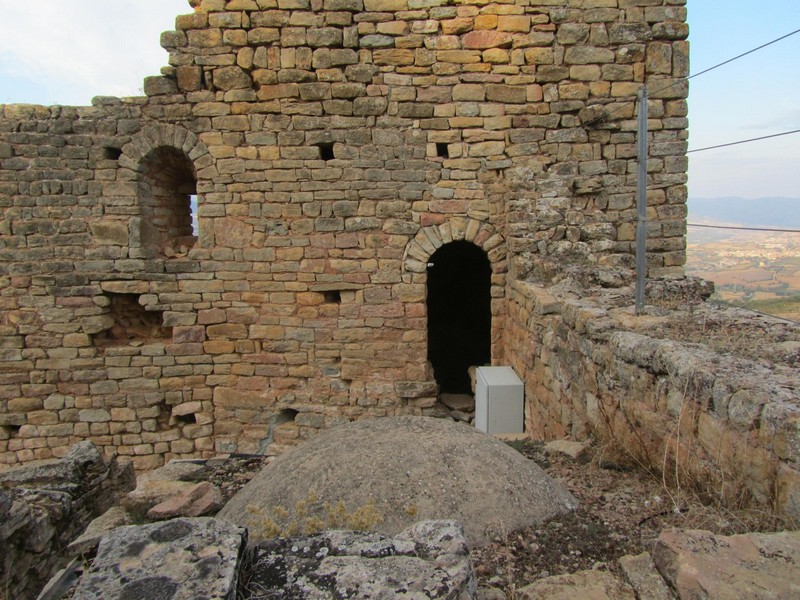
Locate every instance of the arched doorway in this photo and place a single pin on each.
(459, 314)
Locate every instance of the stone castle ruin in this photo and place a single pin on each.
(324, 210)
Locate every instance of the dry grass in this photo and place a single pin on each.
(725, 331)
(310, 516)
(718, 488)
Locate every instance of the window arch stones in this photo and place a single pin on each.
(165, 159)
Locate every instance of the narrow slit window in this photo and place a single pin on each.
(326, 150)
(187, 419)
(333, 297)
(111, 153)
(11, 431)
(287, 415)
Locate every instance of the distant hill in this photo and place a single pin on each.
(748, 212)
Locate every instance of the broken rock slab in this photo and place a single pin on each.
(642, 575)
(584, 585)
(201, 499)
(428, 560)
(45, 506)
(491, 593)
(756, 566)
(155, 487)
(151, 492)
(114, 517)
(181, 559)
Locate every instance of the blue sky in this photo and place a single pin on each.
(755, 96)
(51, 53)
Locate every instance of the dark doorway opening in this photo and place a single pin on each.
(459, 314)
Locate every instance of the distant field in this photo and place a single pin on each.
(793, 282)
(759, 270)
(788, 308)
(742, 277)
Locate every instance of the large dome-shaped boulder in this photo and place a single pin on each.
(410, 469)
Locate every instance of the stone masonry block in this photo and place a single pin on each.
(159, 86)
(506, 93)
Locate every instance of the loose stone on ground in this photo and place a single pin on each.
(589, 585)
(757, 566)
(201, 499)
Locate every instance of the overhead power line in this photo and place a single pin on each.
(720, 302)
(730, 60)
(725, 62)
(743, 228)
(703, 72)
(605, 117)
(763, 137)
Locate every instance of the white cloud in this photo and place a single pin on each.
(83, 48)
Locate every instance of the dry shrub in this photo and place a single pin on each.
(719, 498)
(731, 489)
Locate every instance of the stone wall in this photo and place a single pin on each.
(723, 425)
(332, 147)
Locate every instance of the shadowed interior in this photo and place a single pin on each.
(459, 314)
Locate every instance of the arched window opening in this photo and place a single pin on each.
(459, 314)
(168, 201)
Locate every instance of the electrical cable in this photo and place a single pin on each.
(609, 116)
(730, 60)
(743, 228)
(726, 303)
(673, 84)
(722, 64)
(703, 72)
(764, 137)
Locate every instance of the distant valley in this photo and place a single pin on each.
(755, 269)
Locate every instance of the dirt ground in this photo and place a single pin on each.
(622, 511)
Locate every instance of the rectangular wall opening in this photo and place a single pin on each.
(131, 322)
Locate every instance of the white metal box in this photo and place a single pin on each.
(499, 400)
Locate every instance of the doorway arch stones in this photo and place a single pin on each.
(429, 239)
(484, 235)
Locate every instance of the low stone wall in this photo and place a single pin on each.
(729, 426)
(44, 507)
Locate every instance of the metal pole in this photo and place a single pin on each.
(641, 203)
